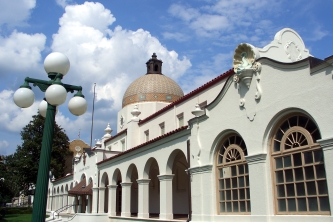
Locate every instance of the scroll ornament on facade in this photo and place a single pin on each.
(245, 66)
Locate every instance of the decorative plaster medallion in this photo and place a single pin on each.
(292, 50)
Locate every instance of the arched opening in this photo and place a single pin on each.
(233, 187)
(105, 183)
(299, 175)
(132, 176)
(152, 170)
(116, 180)
(155, 67)
(180, 184)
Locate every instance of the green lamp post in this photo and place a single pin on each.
(56, 65)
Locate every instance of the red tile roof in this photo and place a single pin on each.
(189, 95)
(81, 189)
(118, 134)
(146, 143)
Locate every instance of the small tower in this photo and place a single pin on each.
(154, 65)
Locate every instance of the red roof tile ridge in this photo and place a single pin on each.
(189, 95)
(145, 143)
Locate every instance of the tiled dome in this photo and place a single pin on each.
(152, 87)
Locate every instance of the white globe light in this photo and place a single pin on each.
(42, 108)
(24, 97)
(56, 94)
(56, 62)
(77, 105)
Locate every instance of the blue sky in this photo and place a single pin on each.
(109, 41)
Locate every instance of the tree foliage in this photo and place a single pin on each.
(23, 164)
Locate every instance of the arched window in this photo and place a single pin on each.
(155, 67)
(233, 186)
(298, 168)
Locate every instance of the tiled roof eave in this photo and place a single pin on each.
(144, 144)
(189, 95)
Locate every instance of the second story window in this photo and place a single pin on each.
(123, 145)
(162, 127)
(180, 119)
(146, 135)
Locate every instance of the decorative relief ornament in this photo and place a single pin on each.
(245, 66)
(121, 122)
(292, 50)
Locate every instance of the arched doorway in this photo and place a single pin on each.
(132, 176)
(180, 184)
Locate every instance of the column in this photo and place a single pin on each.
(48, 208)
(259, 191)
(69, 202)
(95, 200)
(327, 146)
(143, 199)
(80, 202)
(126, 199)
(89, 204)
(101, 200)
(112, 200)
(64, 200)
(166, 196)
(76, 203)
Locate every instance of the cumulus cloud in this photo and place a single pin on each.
(13, 118)
(111, 58)
(15, 12)
(108, 55)
(20, 51)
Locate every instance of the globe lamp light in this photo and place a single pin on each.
(56, 94)
(77, 105)
(24, 97)
(56, 62)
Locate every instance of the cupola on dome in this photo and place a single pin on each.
(152, 87)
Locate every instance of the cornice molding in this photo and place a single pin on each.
(201, 169)
(256, 158)
(326, 144)
(126, 184)
(165, 177)
(143, 181)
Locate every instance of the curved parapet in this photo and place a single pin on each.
(286, 47)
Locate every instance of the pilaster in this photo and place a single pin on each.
(112, 200)
(143, 199)
(327, 146)
(95, 200)
(166, 196)
(126, 199)
(101, 199)
(259, 192)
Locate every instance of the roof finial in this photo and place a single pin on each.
(154, 56)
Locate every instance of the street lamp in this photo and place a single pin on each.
(56, 65)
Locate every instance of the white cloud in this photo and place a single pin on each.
(221, 18)
(15, 12)
(13, 118)
(185, 13)
(63, 3)
(111, 58)
(20, 51)
(176, 35)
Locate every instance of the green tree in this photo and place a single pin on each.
(23, 164)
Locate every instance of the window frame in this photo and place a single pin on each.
(289, 139)
(237, 164)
